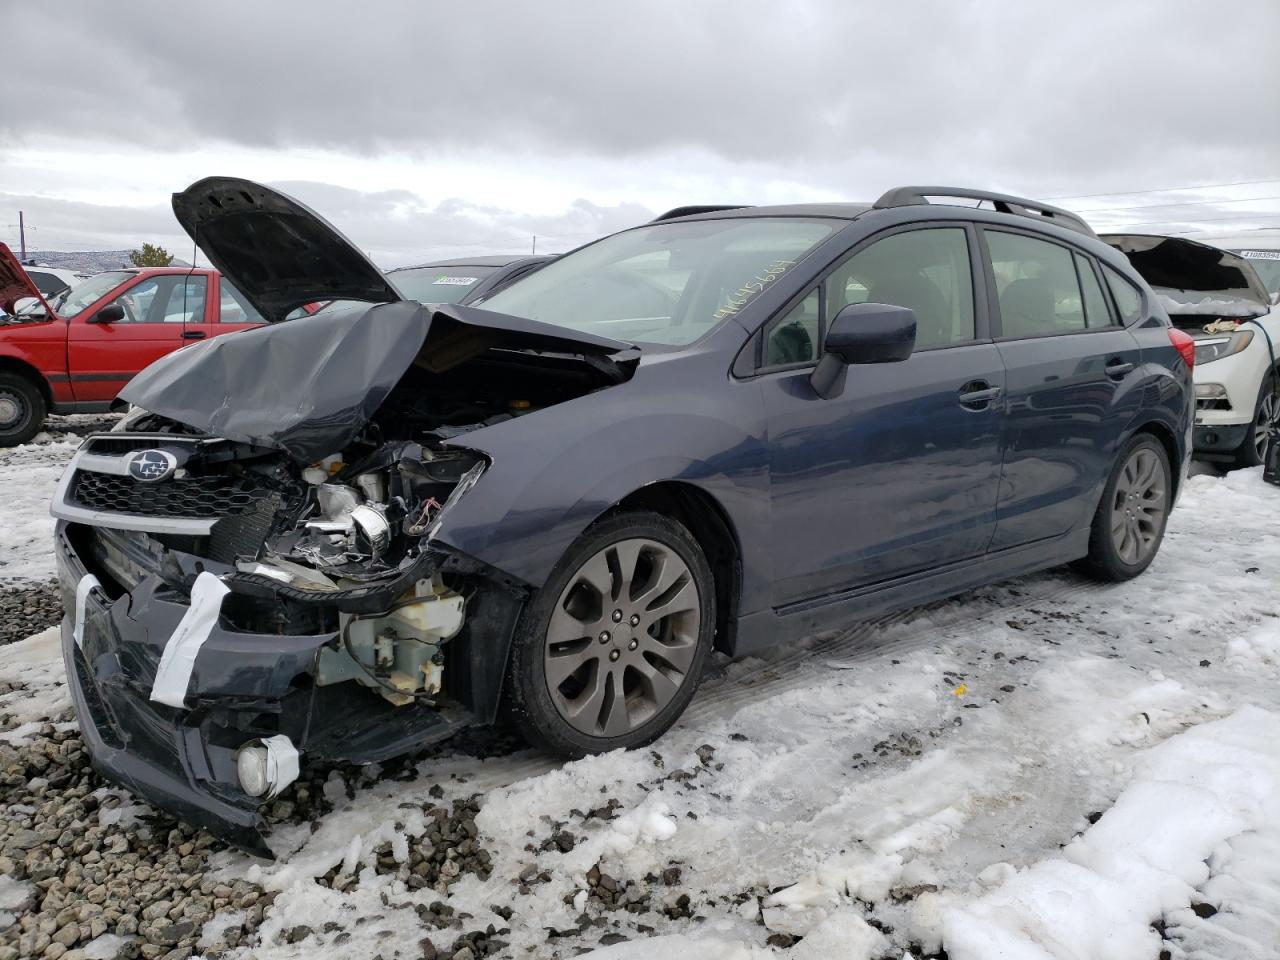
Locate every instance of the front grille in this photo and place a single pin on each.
(188, 497)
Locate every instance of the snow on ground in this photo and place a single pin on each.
(28, 475)
(33, 669)
(1044, 768)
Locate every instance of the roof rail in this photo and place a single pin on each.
(910, 196)
(689, 211)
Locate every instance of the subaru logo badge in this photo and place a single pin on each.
(151, 466)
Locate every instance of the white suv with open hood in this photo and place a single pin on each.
(1218, 297)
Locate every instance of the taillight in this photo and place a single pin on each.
(1185, 344)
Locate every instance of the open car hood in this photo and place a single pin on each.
(278, 252)
(15, 285)
(1192, 278)
(308, 387)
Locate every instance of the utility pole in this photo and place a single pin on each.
(535, 244)
(22, 237)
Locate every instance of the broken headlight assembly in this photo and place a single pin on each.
(363, 530)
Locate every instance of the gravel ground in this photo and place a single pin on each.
(110, 878)
(28, 609)
(99, 873)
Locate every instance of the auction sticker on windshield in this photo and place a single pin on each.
(1260, 254)
(456, 281)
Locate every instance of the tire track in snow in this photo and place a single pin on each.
(795, 668)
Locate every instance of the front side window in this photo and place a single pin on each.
(1128, 299)
(167, 299)
(1036, 286)
(927, 270)
(666, 283)
(233, 307)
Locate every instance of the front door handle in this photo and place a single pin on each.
(192, 334)
(1117, 367)
(978, 395)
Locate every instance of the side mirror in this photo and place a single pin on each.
(111, 313)
(863, 333)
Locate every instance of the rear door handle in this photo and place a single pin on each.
(192, 334)
(1117, 367)
(978, 394)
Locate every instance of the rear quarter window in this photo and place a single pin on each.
(1128, 298)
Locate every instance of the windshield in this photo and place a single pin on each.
(1266, 264)
(438, 284)
(84, 295)
(668, 283)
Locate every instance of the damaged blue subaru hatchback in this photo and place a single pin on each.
(345, 536)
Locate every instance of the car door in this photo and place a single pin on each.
(899, 472)
(158, 310)
(1074, 383)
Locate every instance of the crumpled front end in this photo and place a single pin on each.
(252, 565)
(231, 613)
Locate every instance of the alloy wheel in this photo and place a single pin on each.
(622, 638)
(1267, 420)
(1138, 509)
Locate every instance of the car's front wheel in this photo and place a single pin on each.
(1129, 523)
(22, 409)
(610, 650)
(1266, 419)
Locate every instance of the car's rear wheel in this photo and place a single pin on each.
(1266, 418)
(1129, 524)
(22, 409)
(610, 651)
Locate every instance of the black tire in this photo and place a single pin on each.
(538, 712)
(22, 409)
(1266, 415)
(1116, 555)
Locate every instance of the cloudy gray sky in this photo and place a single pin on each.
(431, 128)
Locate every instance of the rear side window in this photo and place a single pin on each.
(1128, 299)
(1096, 311)
(1036, 286)
(927, 270)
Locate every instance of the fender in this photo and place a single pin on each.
(13, 356)
(516, 519)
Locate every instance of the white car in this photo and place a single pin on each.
(52, 281)
(1218, 296)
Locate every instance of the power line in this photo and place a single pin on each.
(1239, 218)
(1184, 203)
(1138, 193)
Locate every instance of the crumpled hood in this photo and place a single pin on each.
(15, 285)
(1192, 278)
(308, 387)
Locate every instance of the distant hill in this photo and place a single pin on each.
(87, 261)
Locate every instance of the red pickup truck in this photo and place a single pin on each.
(74, 353)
